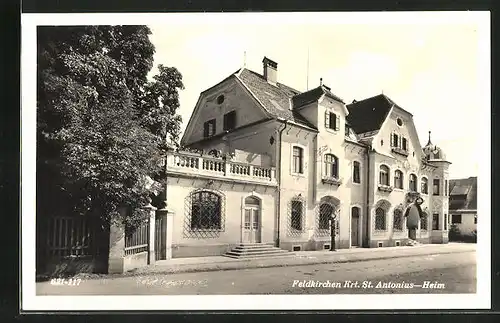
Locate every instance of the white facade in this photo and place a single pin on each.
(286, 161)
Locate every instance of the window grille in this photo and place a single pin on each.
(398, 220)
(296, 216)
(205, 216)
(323, 218)
(423, 222)
(380, 220)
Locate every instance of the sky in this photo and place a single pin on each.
(430, 67)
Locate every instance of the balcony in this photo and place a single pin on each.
(385, 188)
(218, 168)
(400, 151)
(331, 180)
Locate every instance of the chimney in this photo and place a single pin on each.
(270, 70)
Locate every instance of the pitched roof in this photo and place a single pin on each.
(275, 99)
(313, 95)
(369, 114)
(463, 194)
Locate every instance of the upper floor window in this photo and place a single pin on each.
(435, 184)
(400, 142)
(425, 186)
(395, 140)
(332, 121)
(229, 121)
(298, 160)
(209, 128)
(445, 187)
(413, 183)
(356, 174)
(384, 175)
(398, 179)
(331, 166)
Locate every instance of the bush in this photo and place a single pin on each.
(454, 234)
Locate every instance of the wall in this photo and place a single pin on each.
(187, 244)
(467, 225)
(296, 185)
(235, 98)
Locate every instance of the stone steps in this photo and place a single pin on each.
(256, 250)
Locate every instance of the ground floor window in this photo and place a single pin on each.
(297, 214)
(325, 214)
(423, 222)
(205, 211)
(398, 220)
(380, 219)
(435, 221)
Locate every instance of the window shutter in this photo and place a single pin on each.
(392, 139)
(327, 119)
(337, 123)
(205, 130)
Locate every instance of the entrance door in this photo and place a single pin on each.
(251, 224)
(354, 229)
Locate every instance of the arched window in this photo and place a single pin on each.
(380, 223)
(413, 183)
(325, 214)
(425, 185)
(298, 160)
(296, 214)
(206, 210)
(398, 179)
(384, 175)
(331, 166)
(423, 222)
(398, 220)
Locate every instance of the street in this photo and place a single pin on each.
(438, 273)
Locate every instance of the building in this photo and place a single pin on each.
(264, 163)
(463, 204)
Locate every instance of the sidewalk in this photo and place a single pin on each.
(301, 258)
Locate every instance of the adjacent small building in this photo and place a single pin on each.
(463, 205)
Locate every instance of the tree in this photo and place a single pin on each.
(101, 123)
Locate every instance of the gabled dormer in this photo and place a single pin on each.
(322, 108)
(386, 126)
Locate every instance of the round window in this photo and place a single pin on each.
(399, 122)
(220, 99)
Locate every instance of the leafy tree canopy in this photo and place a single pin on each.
(101, 124)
